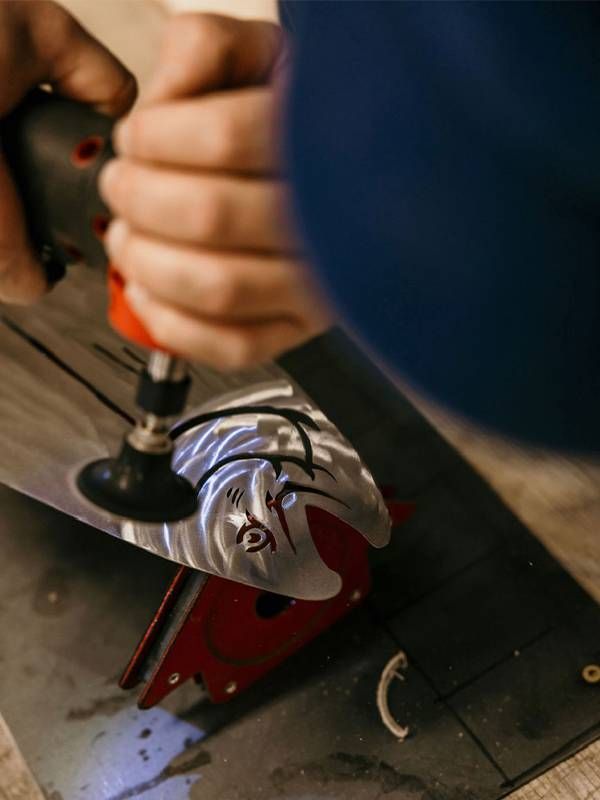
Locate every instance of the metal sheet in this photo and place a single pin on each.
(258, 457)
(70, 393)
(48, 422)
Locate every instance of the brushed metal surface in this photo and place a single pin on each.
(71, 389)
(258, 457)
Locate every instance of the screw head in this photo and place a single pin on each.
(591, 673)
(173, 678)
(231, 687)
(355, 596)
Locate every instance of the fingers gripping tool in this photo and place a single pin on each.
(55, 149)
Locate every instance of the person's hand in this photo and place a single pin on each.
(41, 43)
(202, 234)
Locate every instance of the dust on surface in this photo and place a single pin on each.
(108, 706)
(52, 593)
(347, 767)
(52, 795)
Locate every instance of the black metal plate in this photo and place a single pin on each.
(490, 621)
(463, 586)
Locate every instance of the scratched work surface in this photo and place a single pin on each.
(496, 632)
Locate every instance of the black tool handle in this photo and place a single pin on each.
(55, 148)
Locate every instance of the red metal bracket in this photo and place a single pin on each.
(228, 635)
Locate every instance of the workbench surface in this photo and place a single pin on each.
(73, 603)
(485, 691)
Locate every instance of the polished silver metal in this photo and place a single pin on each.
(151, 435)
(259, 456)
(51, 425)
(163, 367)
(151, 432)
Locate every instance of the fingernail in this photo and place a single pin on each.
(137, 297)
(109, 177)
(121, 136)
(115, 236)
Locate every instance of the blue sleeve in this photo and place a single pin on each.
(445, 159)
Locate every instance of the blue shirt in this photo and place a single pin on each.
(445, 161)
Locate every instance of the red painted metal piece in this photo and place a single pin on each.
(130, 678)
(230, 635)
(225, 642)
(400, 512)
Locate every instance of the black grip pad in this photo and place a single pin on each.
(55, 148)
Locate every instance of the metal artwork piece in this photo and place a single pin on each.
(258, 458)
(71, 395)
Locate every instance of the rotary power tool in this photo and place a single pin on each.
(55, 149)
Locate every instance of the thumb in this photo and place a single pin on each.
(77, 64)
(41, 42)
(204, 52)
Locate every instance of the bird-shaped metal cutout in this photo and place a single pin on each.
(258, 458)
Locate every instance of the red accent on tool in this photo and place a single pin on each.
(120, 314)
(100, 225)
(74, 253)
(86, 151)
